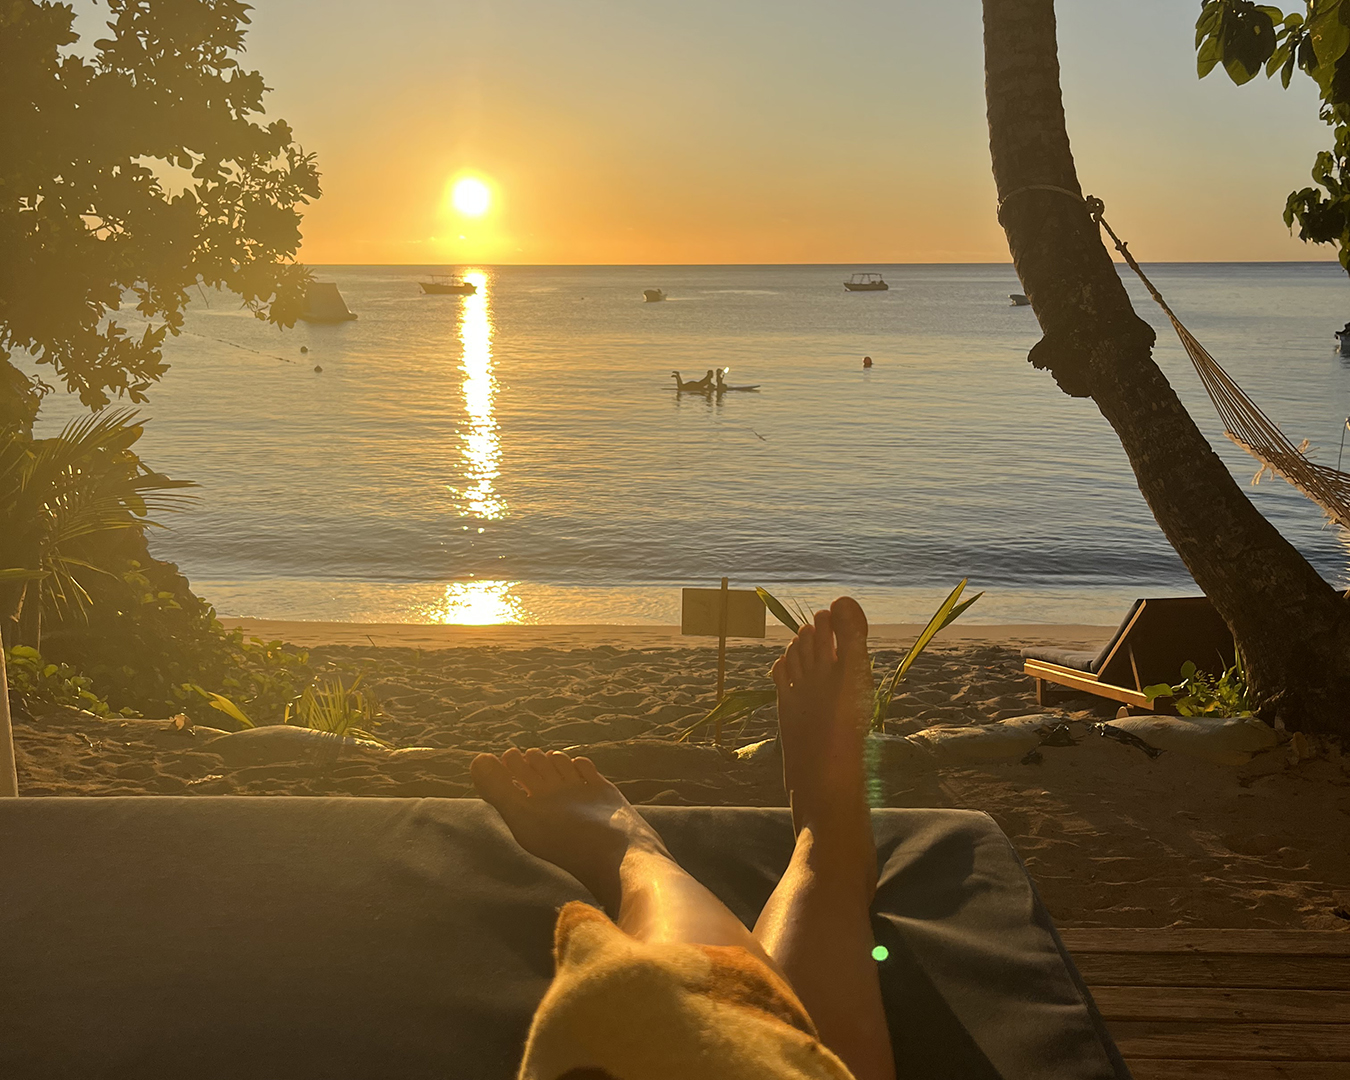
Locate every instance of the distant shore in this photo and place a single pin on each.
(648, 636)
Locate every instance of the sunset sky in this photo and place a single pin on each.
(754, 131)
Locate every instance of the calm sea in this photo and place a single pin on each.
(522, 455)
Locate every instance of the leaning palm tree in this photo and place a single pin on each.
(57, 496)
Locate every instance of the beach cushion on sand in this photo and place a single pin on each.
(399, 938)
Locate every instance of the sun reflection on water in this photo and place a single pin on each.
(481, 447)
(477, 603)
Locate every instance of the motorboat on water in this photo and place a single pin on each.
(868, 282)
(653, 296)
(444, 285)
(1018, 299)
(1343, 338)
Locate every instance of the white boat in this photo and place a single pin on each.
(868, 282)
(444, 285)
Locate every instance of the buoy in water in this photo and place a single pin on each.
(317, 367)
(304, 349)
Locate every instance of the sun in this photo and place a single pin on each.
(471, 197)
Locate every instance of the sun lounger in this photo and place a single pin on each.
(1151, 644)
(343, 938)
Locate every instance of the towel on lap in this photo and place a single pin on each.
(619, 1007)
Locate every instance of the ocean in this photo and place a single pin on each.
(521, 455)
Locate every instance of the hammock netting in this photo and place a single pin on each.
(1243, 420)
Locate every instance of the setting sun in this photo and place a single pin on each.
(471, 197)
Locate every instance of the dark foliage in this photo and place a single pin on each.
(132, 175)
(1244, 37)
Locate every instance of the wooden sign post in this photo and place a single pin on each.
(726, 613)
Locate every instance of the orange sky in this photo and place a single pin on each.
(753, 132)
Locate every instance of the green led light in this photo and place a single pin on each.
(880, 952)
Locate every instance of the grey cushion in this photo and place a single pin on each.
(1069, 658)
(347, 938)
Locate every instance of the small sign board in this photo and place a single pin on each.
(701, 612)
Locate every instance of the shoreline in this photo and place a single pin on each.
(632, 636)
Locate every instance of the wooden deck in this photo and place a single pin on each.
(1222, 1004)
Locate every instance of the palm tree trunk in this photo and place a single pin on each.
(1290, 625)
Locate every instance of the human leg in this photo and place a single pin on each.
(816, 925)
(561, 809)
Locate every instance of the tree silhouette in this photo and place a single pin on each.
(128, 173)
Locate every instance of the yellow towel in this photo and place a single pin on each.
(622, 1009)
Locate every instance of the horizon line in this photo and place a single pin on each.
(829, 265)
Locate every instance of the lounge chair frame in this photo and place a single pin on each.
(1157, 637)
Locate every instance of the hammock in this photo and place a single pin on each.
(1243, 420)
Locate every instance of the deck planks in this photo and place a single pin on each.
(1222, 1004)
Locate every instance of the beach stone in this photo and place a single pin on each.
(1004, 740)
(279, 744)
(894, 753)
(764, 751)
(1222, 740)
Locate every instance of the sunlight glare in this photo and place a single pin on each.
(471, 197)
(481, 445)
(478, 603)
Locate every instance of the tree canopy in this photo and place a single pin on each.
(1244, 38)
(134, 167)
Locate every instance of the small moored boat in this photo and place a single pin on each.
(442, 285)
(1018, 299)
(653, 296)
(868, 282)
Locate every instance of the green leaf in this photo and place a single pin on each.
(779, 611)
(1211, 52)
(228, 707)
(736, 704)
(944, 615)
(1157, 690)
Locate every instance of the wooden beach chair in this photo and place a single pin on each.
(1153, 641)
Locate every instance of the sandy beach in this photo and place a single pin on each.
(1111, 837)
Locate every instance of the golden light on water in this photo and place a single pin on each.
(471, 197)
(478, 603)
(480, 441)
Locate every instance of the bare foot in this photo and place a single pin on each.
(562, 810)
(825, 694)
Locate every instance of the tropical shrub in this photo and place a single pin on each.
(36, 683)
(1201, 694)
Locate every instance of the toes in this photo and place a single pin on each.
(850, 626)
(806, 642)
(824, 640)
(566, 769)
(494, 783)
(521, 771)
(792, 661)
(588, 772)
(779, 673)
(542, 767)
